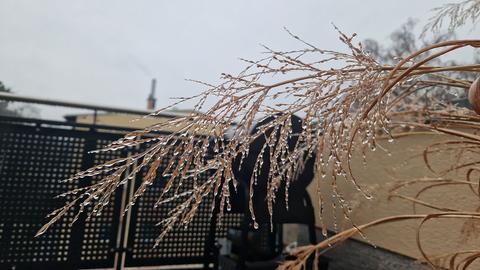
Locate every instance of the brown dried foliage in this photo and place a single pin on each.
(346, 99)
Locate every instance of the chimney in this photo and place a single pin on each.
(151, 98)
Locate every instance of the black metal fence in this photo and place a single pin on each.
(34, 156)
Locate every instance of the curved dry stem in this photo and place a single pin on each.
(303, 253)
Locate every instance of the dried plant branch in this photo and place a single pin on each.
(457, 14)
(346, 100)
(328, 99)
(303, 253)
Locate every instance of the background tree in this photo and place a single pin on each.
(403, 42)
(18, 111)
(4, 110)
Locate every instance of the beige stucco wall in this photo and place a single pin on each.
(381, 172)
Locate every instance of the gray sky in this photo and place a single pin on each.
(106, 52)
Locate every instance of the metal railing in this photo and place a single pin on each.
(96, 108)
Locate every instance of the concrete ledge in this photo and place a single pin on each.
(353, 254)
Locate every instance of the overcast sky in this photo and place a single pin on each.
(106, 52)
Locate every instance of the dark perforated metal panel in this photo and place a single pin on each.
(33, 160)
(182, 245)
(32, 163)
(229, 220)
(100, 231)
